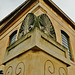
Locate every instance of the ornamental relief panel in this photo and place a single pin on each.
(9, 71)
(49, 69)
(62, 71)
(20, 69)
(42, 21)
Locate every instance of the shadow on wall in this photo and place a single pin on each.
(1, 72)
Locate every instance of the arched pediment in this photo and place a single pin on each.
(27, 25)
(46, 25)
(42, 22)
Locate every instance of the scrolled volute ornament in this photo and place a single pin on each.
(9, 71)
(49, 68)
(20, 69)
(62, 71)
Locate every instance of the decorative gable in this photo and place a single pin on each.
(42, 22)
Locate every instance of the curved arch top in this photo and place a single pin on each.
(46, 25)
(42, 22)
(12, 37)
(64, 33)
(27, 25)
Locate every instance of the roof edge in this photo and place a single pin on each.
(60, 12)
(13, 12)
(48, 2)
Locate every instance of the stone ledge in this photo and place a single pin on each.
(41, 41)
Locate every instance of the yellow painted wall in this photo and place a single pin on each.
(58, 23)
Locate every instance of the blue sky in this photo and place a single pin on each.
(7, 6)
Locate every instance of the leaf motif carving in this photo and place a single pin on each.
(42, 22)
(27, 25)
(46, 25)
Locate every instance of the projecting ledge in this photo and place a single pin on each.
(37, 40)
